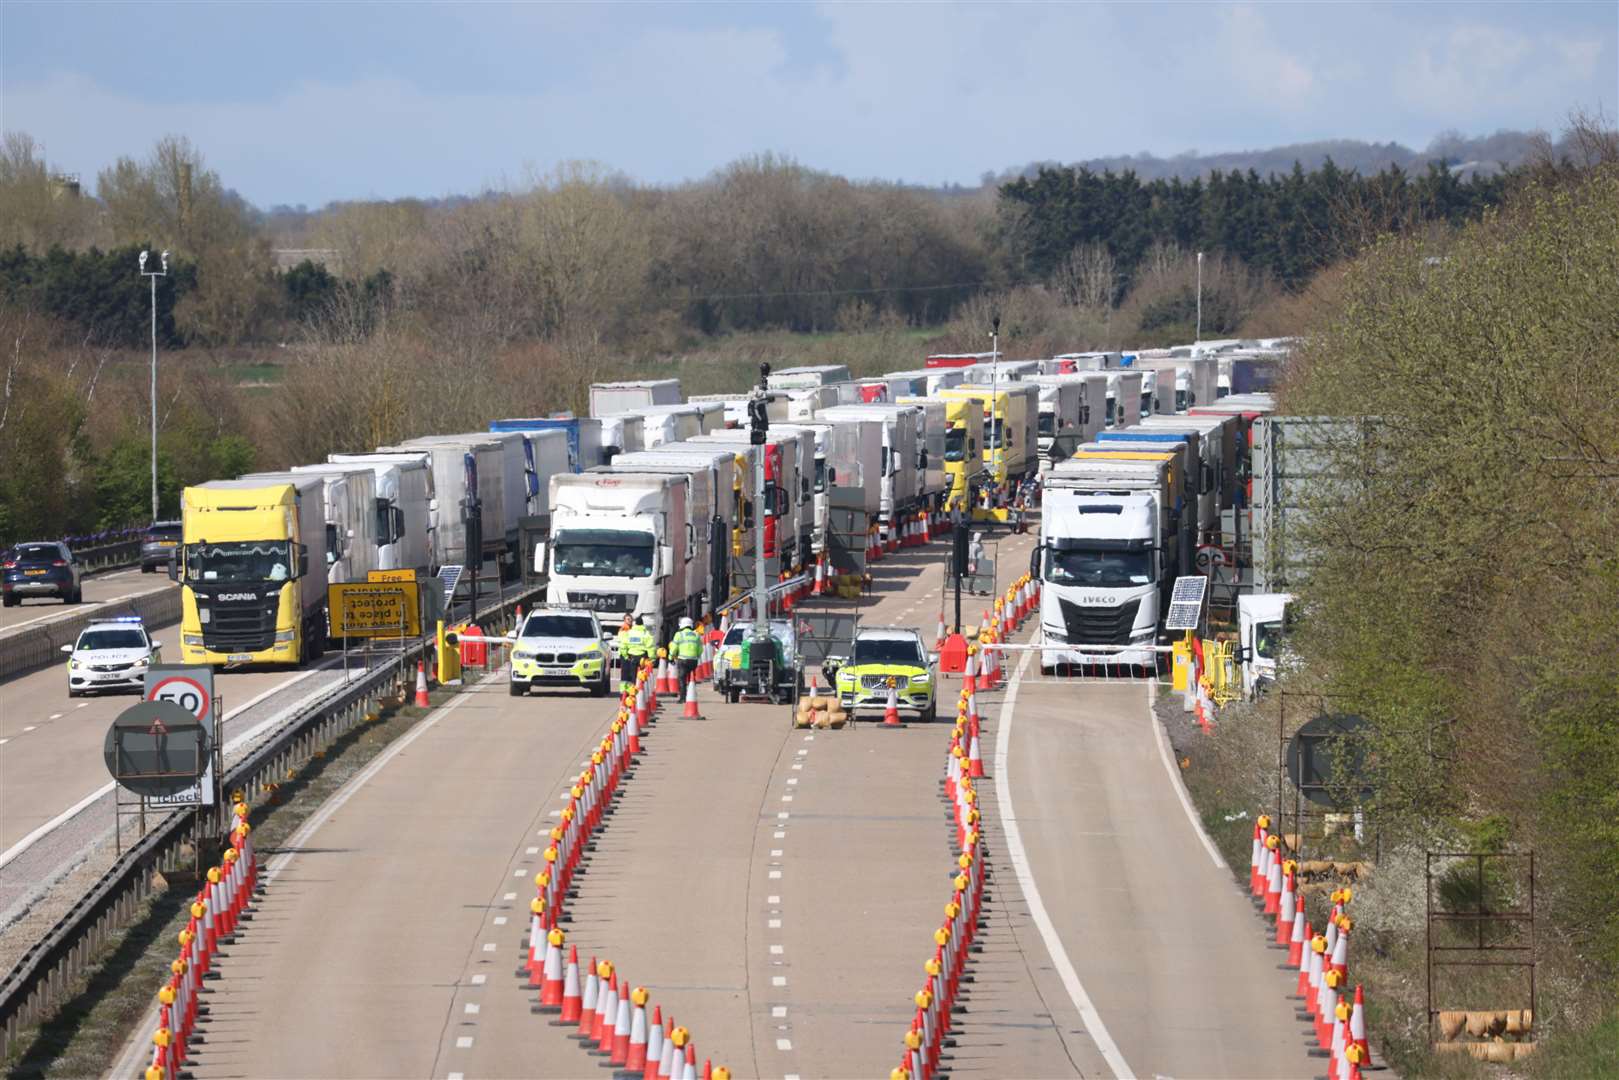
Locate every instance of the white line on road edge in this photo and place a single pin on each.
(101, 792)
(1031, 893)
(1177, 780)
(129, 1062)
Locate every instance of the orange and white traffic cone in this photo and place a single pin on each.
(938, 641)
(421, 686)
(691, 712)
(1253, 856)
(975, 767)
(1273, 887)
(1302, 988)
(618, 1051)
(572, 1003)
(1285, 909)
(654, 1045)
(636, 1049)
(1357, 1028)
(589, 1002)
(601, 1027)
(552, 989)
(820, 576)
(891, 711)
(705, 662)
(1296, 939)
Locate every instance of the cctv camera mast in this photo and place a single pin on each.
(759, 427)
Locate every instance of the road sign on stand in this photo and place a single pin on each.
(191, 687)
(374, 609)
(158, 750)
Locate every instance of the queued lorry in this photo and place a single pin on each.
(789, 502)
(1196, 459)
(252, 571)
(584, 435)
(407, 526)
(620, 545)
(930, 432)
(897, 467)
(1010, 444)
(798, 378)
(350, 549)
(1113, 538)
(1261, 627)
(721, 506)
(609, 398)
(1299, 466)
(481, 491)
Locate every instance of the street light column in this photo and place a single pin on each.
(153, 275)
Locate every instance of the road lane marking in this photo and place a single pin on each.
(775, 875)
(456, 1076)
(1031, 892)
(775, 924)
(782, 816)
(775, 853)
(4, 741)
(778, 1011)
(479, 980)
(784, 1044)
(510, 896)
(489, 946)
(82, 705)
(797, 765)
(779, 835)
(533, 851)
(772, 899)
(520, 872)
(777, 950)
(471, 1009)
(464, 1043)
(31, 727)
(778, 980)
(56, 716)
(500, 920)
(1177, 780)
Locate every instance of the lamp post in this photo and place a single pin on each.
(1200, 296)
(153, 275)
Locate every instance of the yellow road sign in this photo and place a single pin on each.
(374, 609)
(390, 575)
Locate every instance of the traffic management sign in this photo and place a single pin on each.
(374, 609)
(375, 576)
(191, 687)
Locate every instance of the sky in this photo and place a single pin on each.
(311, 102)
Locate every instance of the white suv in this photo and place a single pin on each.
(559, 646)
(111, 654)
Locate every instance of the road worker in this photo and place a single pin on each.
(639, 645)
(626, 663)
(687, 648)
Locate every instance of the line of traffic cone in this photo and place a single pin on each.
(221, 905)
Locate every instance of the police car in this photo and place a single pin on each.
(559, 646)
(111, 654)
(884, 657)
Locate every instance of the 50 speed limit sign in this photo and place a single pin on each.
(190, 686)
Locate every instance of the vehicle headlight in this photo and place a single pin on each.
(1137, 635)
(522, 654)
(285, 635)
(920, 680)
(74, 665)
(142, 662)
(191, 639)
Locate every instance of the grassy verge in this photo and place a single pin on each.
(112, 997)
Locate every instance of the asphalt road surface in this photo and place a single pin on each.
(775, 889)
(100, 591)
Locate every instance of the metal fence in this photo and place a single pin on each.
(46, 974)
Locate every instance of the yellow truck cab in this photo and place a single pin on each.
(963, 438)
(1009, 442)
(250, 592)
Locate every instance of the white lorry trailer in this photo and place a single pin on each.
(350, 508)
(794, 378)
(406, 494)
(898, 467)
(616, 397)
(462, 478)
(619, 546)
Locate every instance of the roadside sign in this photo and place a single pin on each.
(1209, 558)
(191, 687)
(375, 576)
(158, 750)
(374, 609)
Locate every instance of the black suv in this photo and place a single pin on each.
(157, 543)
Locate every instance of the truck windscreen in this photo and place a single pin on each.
(955, 444)
(604, 553)
(992, 434)
(266, 560)
(1048, 423)
(1098, 569)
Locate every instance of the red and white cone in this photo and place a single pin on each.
(1284, 916)
(975, 763)
(654, 1045)
(572, 1004)
(1357, 1027)
(552, 991)
(891, 710)
(421, 686)
(618, 1053)
(938, 641)
(691, 712)
(635, 1056)
(589, 1002)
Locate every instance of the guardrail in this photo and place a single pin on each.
(105, 556)
(38, 646)
(43, 978)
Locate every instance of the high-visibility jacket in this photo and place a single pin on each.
(686, 645)
(639, 642)
(623, 640)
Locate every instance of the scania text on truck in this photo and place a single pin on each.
(619, 545)
(252, 570)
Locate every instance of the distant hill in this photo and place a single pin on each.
(1484, 154)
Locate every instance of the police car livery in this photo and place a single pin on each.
(559, 646)
(110, 654)
(885, 656)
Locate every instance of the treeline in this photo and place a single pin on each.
(1466, 599)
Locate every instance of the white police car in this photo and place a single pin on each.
(559, 646)
(110, 654)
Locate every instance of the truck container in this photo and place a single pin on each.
(1077, 363)
(617, 397)
(818, 437)
(873, 391)
(1219, 447)
(1113, 538)
(467, 482)
(1177, 453)
(1298, 465)
(794, 378)
(958, 360)
(912, 383)
(351, 517)
(1003, 371)
(619, 545)
(787, 501)
(897, 494)
(405, 493)
(707, 538)
(584, 438)
(1201, 466)
(804, 402)
(1061, 423)
(503, 484)
(622, 433)
(1011, 446)
(930, 434)
(252, 570)
(1255, 373)
(963, 458)
(735, 406)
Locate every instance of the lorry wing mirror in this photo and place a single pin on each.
(174, 566)
(666, 560)
(539, 556)
(831, 475)
(303, 559)
(68, 649)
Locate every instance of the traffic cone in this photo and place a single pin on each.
(1295, 941)
(976, 764)
(1253, 857)
(938, 642)
(691, 712)
(820, 576)
(969, 675)
(1273, 887)
(891, 711)
(552, 990)
(633, 729)
(590, 1002)
(1285, 911)
(666, 1061)
(636, 1051)
(690, 1070)
(1302, 989)
(705, 662)
(572, 1006)
(667, 682)
(618, 1053)
(1340, 953)
(1357, 1027)
(654, 1045)
(421, 686)
(601, 1027)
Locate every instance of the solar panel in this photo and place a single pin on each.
(1186, 603)
(451, 577)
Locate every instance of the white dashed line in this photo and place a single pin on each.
(533, 851)
(775, 924)
(784, 798)
(471, 1009)
(56, 716)
(775, 853)
(500, 920)
(521, 871)
(778, 980)
(776, 950)
(772, 899)
(775, 875)
(479, 980)
(82, 705)
(779, 835)
(456, 1076)
(4, 741)
(782, 816)
(784, 1044)
(556, 813)
(797, 766)
(809, 738)
(792, 779)
(464, 1043)
(31, 727)
(489, 947)
(802, 752)
(510, 896)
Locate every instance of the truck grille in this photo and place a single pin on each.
(246, 627)
(879, 682)
(555, 658)
(1098, 625)
(617, 602)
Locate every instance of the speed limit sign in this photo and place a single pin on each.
(1209, 558)
(190, 686)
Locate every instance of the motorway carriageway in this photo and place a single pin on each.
(776, 889)
(100, 590)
